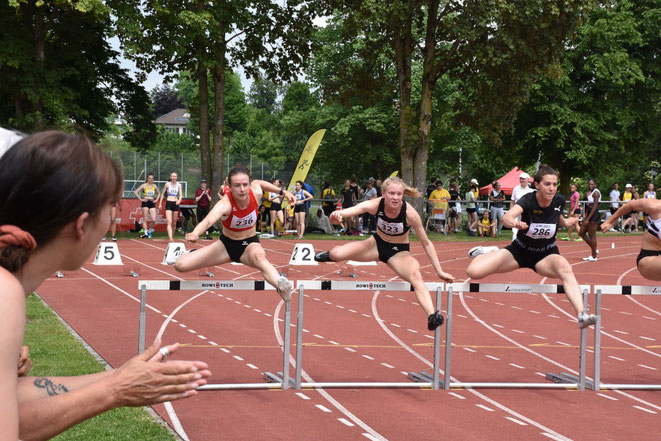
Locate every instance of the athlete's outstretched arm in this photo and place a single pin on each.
(219, 210)
(364, 207)
(413, 219)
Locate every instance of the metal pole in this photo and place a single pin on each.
(437, 343)
(159, 167)
(182, 171)
(142, 320)
(250, 164)
(597, 343)
(262, 170)
(299, 339)
(583, 352)
(285, 363)
(135, 166)
(448, 343)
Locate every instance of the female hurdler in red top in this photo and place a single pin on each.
(238, 242)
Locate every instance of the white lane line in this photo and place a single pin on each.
(333, 342)
(182, 325)
(213, 343)
(517, 331)
(492, 357)
(201, 336)
(500, 304)
(366, 315)
(540, 337)
(516, 366)
(350, 349)
(225, 350)
(482, 406)
(318, 336)
(351, 310)
(644, 410)
(457, 395)
(647, 338)
(563, 343)
(648, 367)
(474, 392)
(302, 395)
(620, 332)
(648, 318)
(412, 330)
(498, 326)
(516, 307)
(368, 357)
(534, 312)
(607, 396)
(616, 358)
(469, 350)
(237, 358)
(323, 408)
(514, 420)
(192, 331)
(395, 325)
(346, 422)
(626, 313)
(388, 365)
(251, 366)
(339, 306)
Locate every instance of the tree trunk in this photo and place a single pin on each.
(205, 151)
(39, 56)
(218, 72)
(403, 43)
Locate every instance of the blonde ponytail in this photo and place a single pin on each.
(408, 191)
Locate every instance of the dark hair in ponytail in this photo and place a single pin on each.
(49, 179)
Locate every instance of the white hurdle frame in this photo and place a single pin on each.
(420, 380)
(626, 290)
(560, 381)
(214, 285)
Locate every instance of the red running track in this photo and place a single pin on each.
(379, 336)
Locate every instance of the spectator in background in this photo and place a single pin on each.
(369, 220)
(323, 224)
(302, 197)
(574, 211)
(485, 227)
(439, 201)
(275, 213)
(203, 198)
(649, 194)
(626, 197)
(497, 198)
(614, 198)
(471, 208)
(518, 192)
(431, 187)
(635, 214)
(328, 196)
(377, 186)
(588, 231)
(348, 200)
(454, 209)
(263, 219)
(356, 188)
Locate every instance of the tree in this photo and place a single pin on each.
(600, 117)
(164, 100)
(58, 70)
(263, 94)
(261, 36)
(489, 46)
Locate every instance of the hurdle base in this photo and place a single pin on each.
(566, 378)
(347, 273)
(423, 377)
(206, 272)
(270, 377)
(59, 274)
(130, 270)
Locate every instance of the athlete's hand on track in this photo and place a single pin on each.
(192, 237)
(145, 379)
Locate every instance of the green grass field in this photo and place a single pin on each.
(55, 352)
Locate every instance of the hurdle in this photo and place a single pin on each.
(421, 380)
(559, 381)
(626, 290)
(212, 285)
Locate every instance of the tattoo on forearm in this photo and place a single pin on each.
(51, 389)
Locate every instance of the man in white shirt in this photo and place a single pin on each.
(518, 192)
(614, 198)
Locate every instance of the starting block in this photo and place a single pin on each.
(107, 254)
(348, 269)
(131, 270)
(208, 271)
(175, 249)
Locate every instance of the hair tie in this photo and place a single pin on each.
(11, 235)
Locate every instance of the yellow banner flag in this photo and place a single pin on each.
(305, 161)
(395, 173)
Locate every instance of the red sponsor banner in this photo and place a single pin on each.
(131, 212)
